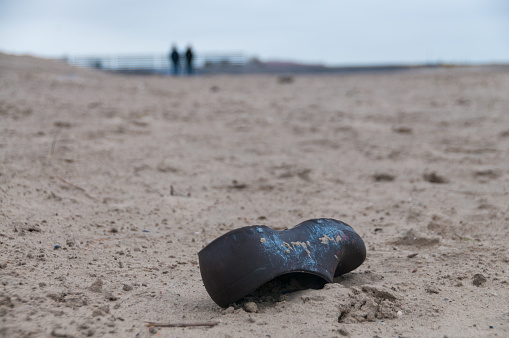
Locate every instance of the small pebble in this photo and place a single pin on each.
(400, 313)
(58, 332)
(344, 332)
(127, 287)
(111, 297)
(228, 310)
(96, 286)
(478, 279)
(97, 313)
(56, 247)
(250, 307)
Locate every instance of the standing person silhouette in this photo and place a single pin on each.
(189, 60)
(174, 56)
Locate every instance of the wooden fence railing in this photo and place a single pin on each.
(157, 63)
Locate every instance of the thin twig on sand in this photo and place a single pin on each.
(53, 143)
(152, 324)
(76, 187)
(72, 185)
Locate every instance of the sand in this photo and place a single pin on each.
(111, 184)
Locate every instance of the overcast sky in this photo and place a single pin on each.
(335, 32)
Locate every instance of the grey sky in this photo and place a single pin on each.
(334, 32)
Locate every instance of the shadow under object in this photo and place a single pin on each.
(237, 263)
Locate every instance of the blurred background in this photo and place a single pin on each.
(333, 33)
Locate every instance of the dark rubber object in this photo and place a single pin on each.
(240, 261)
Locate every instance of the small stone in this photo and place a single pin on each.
(383, 177)
(96, 286)
(152, 330)
(3, 265)
(251, 307)
(478, 279)
(83, 326)
(57, 297)
(97, 313)
(342, 331)
(228, 310)
(127, 287)
(105, 308)
(435, 178)
(111, 297)
(400, 313)
(56, 246)
(432, 289)
(60, 333)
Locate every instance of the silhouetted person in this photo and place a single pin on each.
(174, 56)
(189, 60)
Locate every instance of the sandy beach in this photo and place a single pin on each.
(111, 184)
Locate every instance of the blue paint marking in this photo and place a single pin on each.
(275, 246)
(279, 252)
